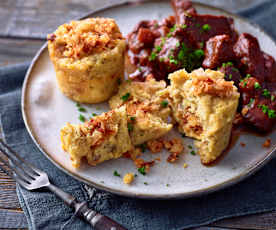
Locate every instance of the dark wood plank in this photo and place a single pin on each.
(13, 218)
(18, 50)
(35, 19)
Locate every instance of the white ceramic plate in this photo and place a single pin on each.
(46, 110)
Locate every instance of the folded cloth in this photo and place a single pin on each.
(44, 211)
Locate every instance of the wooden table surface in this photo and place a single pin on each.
(23, 28)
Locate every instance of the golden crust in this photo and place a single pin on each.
(102, 138)
(88, 57)
(204, 105)
(79, 39)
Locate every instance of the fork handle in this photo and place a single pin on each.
(98, 221)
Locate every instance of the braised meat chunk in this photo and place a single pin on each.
(250, 56)
(218, 49)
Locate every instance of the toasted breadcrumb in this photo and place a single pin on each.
(128, 178)
(267, 143)
(173, 157)
(185, 165)
(79, 39)
(243, 144)
(155, 146)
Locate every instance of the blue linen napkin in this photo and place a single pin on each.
(44, 211)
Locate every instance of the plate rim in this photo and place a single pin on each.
(180, 195)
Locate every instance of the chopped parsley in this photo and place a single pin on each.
(130, 127)
(142, 170)
(271, 113)
(119, 81)
(143, 147)
(167, 185)
(235, 69)
(128, 80)
(266, 93)
(230, 76)
(132, 118)
(272, 98)
(145, 183)
(190, 147)
(248, 76)
(164, 103)
(81, 109)
(201, 44)
(257, 85)
(78, 104)
(264, 108)
(82, 118)
(158, 49)
(193, 152)
(153, 56)
(183, 26)
(177, 44)
(173, 28)
(206, 27)
(125, 97)
(199, 53)
(94, 114)
(115, 173)
(251, 102)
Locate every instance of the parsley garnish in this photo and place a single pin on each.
(206, 27)
(142, 170)
(82, 118)
(130, 127)
(230, 76)
(264, 108)
(235, 69)
(199, 53)
(271, 113)
(145, 183)
(125, 97)
(266, 93)
(193, 152)
(183, 26)
(115, 173)
(248, 76)
(167, 185)
(201, 44)
(177, 44)
(153, 56)
(164, 103)
(81, 109)
(272, 98)
(190, 147)
(143, 147)
(158, 49)
(94, 114)
(132, 118)
(257, 85)
(78, 104)
(250, 102)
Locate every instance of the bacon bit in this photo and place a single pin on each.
(167, 144)
(172, 157)
(243, 144)
(157, 159)
(127, 155)
(267, 143)
(133, 154)
(155, 146)
(177, 146)
(139, 163)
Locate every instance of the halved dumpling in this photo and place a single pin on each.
(102, 138)
(204, 105)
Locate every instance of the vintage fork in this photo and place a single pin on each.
(32, 178)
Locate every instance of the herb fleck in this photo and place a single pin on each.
(264, 108)
(125, 97)
(266, 93)
(250, 102)
(115, 173)
(272, 98)
(82, 118)
(132, 118)
(94, 114)
(206, 27)
(257, 85)
(153, 56)
(145, 183)
(190, 147)
(143, 147)
(142, 170)
(130, 127)
(271, 113)
(193, 152)
(81, 109)
(164, 103)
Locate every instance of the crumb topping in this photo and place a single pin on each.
(267, 143)
(79, 39)
(128, 178)
(218, 87)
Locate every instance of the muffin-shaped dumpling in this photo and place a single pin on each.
(88, 57)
